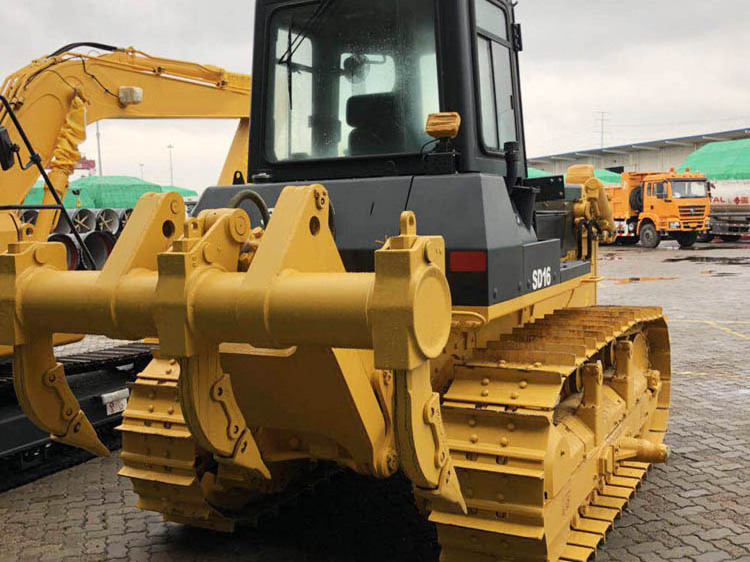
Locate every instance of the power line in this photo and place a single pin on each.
(651, 124)
(602, 120)
(99, 148)
(171, 166)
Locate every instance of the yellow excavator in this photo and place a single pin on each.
(57, 96)
(441, 322)
(53, 99)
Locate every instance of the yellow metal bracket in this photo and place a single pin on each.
(41, 387)
(410, 269)
(211, 244)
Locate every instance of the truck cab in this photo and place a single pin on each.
(649, 206)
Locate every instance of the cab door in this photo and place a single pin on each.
(659, 201)
(648, 197)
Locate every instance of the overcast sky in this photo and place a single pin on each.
(658, 68)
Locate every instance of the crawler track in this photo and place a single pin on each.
(503, 413)
(160, 455)
(506, 412)
(173, 476)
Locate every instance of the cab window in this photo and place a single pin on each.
(354, 78)
(494, 56)
(661, 190)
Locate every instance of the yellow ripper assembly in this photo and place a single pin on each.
(202, 282)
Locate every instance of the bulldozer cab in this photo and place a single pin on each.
(342, 93)
(343, 88)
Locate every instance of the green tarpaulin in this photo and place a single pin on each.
(605, 176)
(106, 191)
(34, 197)
(181, 190)
(727, 160)
(536, 173)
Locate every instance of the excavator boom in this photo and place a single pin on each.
(55, 97)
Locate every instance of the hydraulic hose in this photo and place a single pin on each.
(93, 45)
(255, 197)
(257, 200)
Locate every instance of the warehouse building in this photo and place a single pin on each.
(644, 156)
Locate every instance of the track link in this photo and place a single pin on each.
(159, 454)
(172, 475)
(535, 485)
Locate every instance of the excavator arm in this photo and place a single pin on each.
(55, 97)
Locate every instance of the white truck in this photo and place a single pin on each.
(730, 210)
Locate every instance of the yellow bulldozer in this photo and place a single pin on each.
(389, 293)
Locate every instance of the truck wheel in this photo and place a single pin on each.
(685, 239)
(730, 237)
(649, 236)
(705, 237)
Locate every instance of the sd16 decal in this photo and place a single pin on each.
(541, 278)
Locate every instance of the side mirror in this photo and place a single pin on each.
(356, 68)
(7, 150)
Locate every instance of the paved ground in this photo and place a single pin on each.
(697, 508)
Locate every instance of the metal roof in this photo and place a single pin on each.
(688, 141)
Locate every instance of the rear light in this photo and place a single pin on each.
(468, 262)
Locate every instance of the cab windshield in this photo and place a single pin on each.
(688, 189)
(350, 78)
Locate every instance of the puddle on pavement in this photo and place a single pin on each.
(710, 259)
(626, 280)
(713, 273)
(609, 257)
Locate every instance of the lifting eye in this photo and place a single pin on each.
(167, 229)
(314, 226)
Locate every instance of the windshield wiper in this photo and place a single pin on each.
(317, 17)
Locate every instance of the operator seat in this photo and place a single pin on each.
(377, 129)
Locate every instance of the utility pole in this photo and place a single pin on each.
(141, 165)
(602, 119)
(171, 166)
(99, 148)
